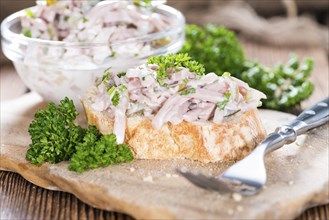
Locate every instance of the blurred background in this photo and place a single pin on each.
(278, 22)
(293, 24)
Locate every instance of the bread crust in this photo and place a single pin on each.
(206, 142)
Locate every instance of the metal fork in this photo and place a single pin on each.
(248, 176)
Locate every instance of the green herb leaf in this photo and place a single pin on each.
(94, 152)
(173, 62)
(56, 138)
(116, 98)
(85, 20)
(113, 53)
(29, 13)
(226, 74)
(143, 3)
(188, 91)
(285, 85)
(221, 105)
(111, 90)
(122, 88)
(26, 32)
(214, 46)
(54, 134)
(107, 74)
(121, 74)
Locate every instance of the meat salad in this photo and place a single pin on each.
(181, 95)
(90, 21)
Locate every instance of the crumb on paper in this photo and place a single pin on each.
(132, 169)
(168, 175)
(291, 182)
(299, 143)
(175, 176)
(239, 208)
(148, 179)
(230, 211)
(237, 197)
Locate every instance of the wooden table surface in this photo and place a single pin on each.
(20, 199)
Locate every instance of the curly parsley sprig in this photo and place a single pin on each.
(173, 62)
(214, 46)
(54, 134)
(285, 85)
(96, 152)
(55, 138)
(220, 51)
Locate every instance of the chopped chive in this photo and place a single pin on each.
(26, 32)
(29, 13)
(188, 91)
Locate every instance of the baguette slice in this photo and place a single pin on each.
(205, 142)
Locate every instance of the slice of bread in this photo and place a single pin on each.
(233, 139)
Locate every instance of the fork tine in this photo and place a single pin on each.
(205, 182)
(220, 184)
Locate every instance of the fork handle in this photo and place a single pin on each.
(313, 117)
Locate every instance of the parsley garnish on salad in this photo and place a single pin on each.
(143, 3)
(116, 98)
(26, 32)
(221, 105)
(121, 74)
(55, 138)
(175, 61)
(29, 13)
(84, 20)
(188, 91)
(107, 74)
(114, 93)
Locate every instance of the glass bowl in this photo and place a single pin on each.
(57, 69)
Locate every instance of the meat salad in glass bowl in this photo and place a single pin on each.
(60, 47)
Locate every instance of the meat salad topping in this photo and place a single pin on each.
(172, 89)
